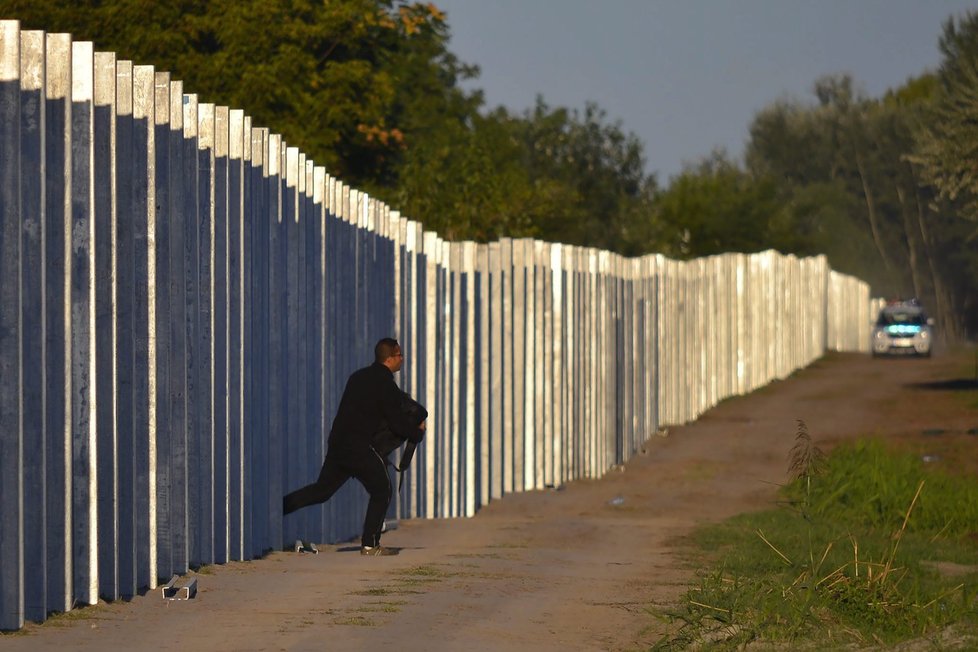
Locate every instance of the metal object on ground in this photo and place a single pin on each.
(185, 592)
(305, 547)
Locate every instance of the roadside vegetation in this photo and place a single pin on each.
(869, 547)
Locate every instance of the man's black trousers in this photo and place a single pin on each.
(370, 469)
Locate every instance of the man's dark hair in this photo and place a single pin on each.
(385, 349)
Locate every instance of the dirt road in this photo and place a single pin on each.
(569, 569)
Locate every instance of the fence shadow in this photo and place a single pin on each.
(956, 384)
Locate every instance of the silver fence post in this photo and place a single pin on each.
(32, 171)
(83, 425)
(236, 310)
(144, 323)
(11, 406)
(105, 244)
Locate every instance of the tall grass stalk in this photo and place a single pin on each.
(805, 459)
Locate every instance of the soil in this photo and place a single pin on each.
(583, 567)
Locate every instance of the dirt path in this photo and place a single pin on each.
(554, 570)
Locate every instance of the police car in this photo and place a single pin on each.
(902, 328)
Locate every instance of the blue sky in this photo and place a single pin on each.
(687, 76)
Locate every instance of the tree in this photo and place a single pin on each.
(943, 159)
(947, 138)
(330, 75)
(468, 181)
(715, 207)
(605, 194)
(843, 171)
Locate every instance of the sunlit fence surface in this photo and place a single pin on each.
(183, 295)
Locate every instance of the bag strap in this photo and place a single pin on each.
(406, 458)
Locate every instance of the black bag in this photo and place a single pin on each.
(386, 441)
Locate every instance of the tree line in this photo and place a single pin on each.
(886, 188)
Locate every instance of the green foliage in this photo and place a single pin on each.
(866, 483)
(846, 177)
(553, 174)
(598, 170)
(917, 91)
(468, 183)
(947, 140)
(852, 559)
(835, 184)
(328, 75)
(715, 207)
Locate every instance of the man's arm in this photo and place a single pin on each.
(397, 419)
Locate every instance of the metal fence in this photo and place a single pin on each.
(182, 296)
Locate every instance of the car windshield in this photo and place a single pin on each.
(901, 318)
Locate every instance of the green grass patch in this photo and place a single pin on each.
(83, 612)
(390, 606)
(427, 571)
(385, 590)
(866, 483)
(409, 579)
(422, 575)
(854, 555)
(357, 621)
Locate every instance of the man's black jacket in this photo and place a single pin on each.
(370, 402)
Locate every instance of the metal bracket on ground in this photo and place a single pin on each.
(306, 547)
(185, 592)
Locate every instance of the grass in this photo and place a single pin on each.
(79, 613)
(408, 580)
(385, 590)
(393, 606)
(426, 572)
(849, 557)
(357, 621)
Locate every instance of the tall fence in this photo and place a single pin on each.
(182, 296)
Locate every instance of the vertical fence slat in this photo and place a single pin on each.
(11, 427)
(57, 345)
(190, 220)
(84, 488)
(469, 354)
(159, 211)
(277, 339)
(33, 215)
(144, 324)
(104, 179)
(174, 548)
(220, 335)
(237, 340)
(167, 430)
(555, 271)
(291, 332)
(205, 451)
(130, 142)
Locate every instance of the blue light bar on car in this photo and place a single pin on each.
(903, 329)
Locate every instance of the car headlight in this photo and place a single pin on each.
(924, 335)
(879, 335)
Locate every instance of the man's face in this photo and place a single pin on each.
(396, 360)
